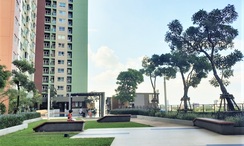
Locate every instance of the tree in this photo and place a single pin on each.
(127, 85)
(4, 76)
(192, 69)
(21, 80)
(152, 69)
(12, 95)
(210, 35)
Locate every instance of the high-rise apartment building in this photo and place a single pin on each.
(17, 32)
(61, 49)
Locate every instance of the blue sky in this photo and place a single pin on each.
(121, 32)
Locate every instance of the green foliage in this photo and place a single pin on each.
(4, 76)
(20, 79)
(2, 108)
(160, 114)
(132, 112)
(152, 69)
(127, 85)
(12, 95)
(238, 119)
(13, 120)
(211, 34)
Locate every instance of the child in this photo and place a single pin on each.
(70, 116)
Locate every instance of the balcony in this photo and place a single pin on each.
(44, 90)
(52, 72)
(45, 63)
(45, 81)
(46, 55)
(47, 21)
(53, 55)
(54, 14)
(48, 4)
(45, 72)
(55, 6)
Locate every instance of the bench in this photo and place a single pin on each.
(114, 118)
(219, 126)
(60, 126)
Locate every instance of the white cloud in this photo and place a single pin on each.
(92, 30)
(106, 76)
(105, 57)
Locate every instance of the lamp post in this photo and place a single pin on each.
(165, 97)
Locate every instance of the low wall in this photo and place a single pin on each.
(18, 127)
(167, 120)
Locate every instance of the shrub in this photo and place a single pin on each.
(13, 120)
(171, 115)
(189, 116)
(160, 114)
(239, 120)
(2, 108)
(130, 111)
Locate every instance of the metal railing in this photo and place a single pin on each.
(195, 108)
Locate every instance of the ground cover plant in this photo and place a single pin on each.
(28, 137)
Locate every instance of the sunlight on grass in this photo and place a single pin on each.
(28, 137)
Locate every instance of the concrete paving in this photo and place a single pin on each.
(165, 134)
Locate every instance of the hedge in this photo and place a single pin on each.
(13, 120)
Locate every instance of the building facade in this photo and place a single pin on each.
(17, 32)
(62, 47)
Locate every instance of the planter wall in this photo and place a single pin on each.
(18, 127)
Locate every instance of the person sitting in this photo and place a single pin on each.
(70, 116)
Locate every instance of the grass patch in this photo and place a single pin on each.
(94, 124)
(28, 137)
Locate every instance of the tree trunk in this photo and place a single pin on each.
(185, 96)
(222, 87)
(16, 109)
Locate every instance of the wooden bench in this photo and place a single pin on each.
(219, 126)
(60, 126)
(114, 118)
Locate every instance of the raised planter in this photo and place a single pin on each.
(18, 127)
(114, 118)
(60, 126)
(167, 120)
(32, 120)
(219, 126)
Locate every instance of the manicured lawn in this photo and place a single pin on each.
(94, 124)
(28, 137)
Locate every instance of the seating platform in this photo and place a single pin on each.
(60, 126)
(114, 118)
(219, 126)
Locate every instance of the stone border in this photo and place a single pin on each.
(167, 120)
(18, 127)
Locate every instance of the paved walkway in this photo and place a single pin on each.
(163, 134)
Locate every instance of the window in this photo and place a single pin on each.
(61, 37)
(61, 45)
(60, 61)
(60, 79)
(60, 95)
(60, 53)
(61, 20)
(60, 87)
(61, 4)
(61, 12)
(61, 28)
(60, 70)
